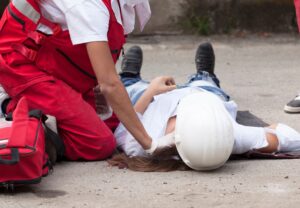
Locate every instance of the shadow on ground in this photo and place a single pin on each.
(249, 119)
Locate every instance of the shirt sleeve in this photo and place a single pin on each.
(88, 21)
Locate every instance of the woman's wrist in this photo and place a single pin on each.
(151, 92)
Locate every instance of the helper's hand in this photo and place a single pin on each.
(162, 84)
(101, 104)
(162, 146)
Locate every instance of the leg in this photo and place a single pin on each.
(248, 138)
(205, 77)
(130, 73)
(85, 135)
(131, 66)
(204, 81)
(288, 139)
(275, 138)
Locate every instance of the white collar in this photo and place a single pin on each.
(130, 10)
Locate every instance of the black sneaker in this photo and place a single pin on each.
(205, 58)
(132, 62)
(293, 106)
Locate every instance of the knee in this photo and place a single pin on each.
(89, 149)
(273, 141)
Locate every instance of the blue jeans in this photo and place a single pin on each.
(136, 86)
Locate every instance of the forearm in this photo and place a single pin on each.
(144, 101)
(157, 86)
(119, 101)
(114, 91)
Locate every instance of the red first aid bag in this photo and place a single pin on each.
(23, 159)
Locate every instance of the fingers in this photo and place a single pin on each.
(170, 83)
(162, 84)
(169, 80)
(170, 87)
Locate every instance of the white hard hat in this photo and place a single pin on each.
(204, 131)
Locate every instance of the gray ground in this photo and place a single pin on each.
(261, 74)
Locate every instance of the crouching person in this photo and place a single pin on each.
(55, 52)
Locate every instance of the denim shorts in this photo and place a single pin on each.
(136, 86)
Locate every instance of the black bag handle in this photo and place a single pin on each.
(15, 158)
(38, 114)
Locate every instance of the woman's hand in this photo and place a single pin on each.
(157, 86)
(161, 85)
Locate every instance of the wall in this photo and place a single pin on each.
(218, 16)
(222, 16)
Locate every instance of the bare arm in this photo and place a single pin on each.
(143, 102)
(114, 91)
(157, 86)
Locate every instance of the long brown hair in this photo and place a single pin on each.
(143, 164)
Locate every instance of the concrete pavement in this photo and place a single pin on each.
(261, 74)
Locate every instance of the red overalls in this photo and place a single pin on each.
(56, 77)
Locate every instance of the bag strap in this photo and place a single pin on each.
(20, 118)
(15, 158)
(20, 124)
(38, 114)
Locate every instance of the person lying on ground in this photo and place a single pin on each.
(157, 103)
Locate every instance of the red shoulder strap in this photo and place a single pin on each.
(34, 4)
(108, 5)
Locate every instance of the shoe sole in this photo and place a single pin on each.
(135, 53)
(289, 109)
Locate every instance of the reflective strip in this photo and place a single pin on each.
(27, 10)
(3, 142)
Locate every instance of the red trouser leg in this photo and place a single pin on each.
(85, 135)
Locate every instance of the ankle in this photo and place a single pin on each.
(130, 75)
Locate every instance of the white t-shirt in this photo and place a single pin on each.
(154, 120)
(156, 117)
(86, 20)
(164, 106)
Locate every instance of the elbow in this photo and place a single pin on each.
(110, 87)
